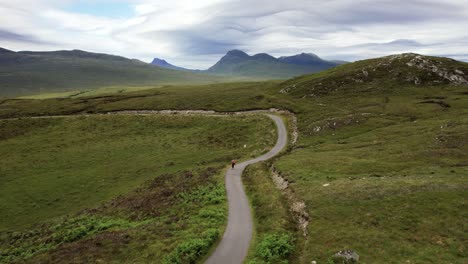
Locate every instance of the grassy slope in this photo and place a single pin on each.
(397, 173)
(393, 153)
(80, 162)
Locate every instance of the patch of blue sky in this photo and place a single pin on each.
(111, 9)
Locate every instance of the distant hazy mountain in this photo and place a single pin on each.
(339, 61)
(28, 72)
(164, 64)
(2, 50)
(265, 66)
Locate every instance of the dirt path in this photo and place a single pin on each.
(235, 243)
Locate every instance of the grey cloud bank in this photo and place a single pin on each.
(195, 34)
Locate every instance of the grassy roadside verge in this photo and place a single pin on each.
(275, 233)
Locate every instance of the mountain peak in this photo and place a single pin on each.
(312, 55)
(405, 42)
(263, 65)
(304, 59)
(164, 64)
(237, 53)
(2, 50)
(263, 56)
(158, 61)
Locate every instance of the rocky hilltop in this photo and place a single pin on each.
(382, 73)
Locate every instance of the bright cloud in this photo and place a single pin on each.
(196, 33)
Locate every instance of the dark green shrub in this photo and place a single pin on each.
(274, 247)
(192, 250)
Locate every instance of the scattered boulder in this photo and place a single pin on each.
(365, 73)
(347, 256)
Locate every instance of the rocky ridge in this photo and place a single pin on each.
(394, 71)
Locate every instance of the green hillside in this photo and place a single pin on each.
(380, 162)
(24, 73)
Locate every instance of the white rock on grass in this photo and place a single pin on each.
(347, 256)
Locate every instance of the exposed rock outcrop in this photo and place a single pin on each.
(296, 205)
(424, 63)
(346, 257)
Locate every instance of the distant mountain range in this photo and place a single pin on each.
(262, 65)
(28, 72)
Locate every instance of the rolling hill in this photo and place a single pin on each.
(265, 66)
(29, 72)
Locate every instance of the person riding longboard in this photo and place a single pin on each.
(233, 163)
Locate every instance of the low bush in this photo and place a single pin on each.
(26, 244)
(275, 248)
(190, 251)
(76, 228)
(210, 194)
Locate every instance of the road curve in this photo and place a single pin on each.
(235, 243)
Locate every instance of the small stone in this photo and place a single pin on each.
(347, 256)
(313, 262)
(326, 184)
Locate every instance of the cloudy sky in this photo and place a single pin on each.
(196, 33)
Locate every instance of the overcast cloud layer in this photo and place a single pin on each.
(197, 33)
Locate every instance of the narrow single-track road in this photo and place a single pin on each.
(235, 243)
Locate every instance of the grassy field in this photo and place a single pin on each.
(387, 179)
(381, 162)
(75, 176)
(112, 90)
(220, 97)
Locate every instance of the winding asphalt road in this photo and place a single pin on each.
(235, 243)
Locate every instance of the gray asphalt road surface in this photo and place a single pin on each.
(236, 240)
